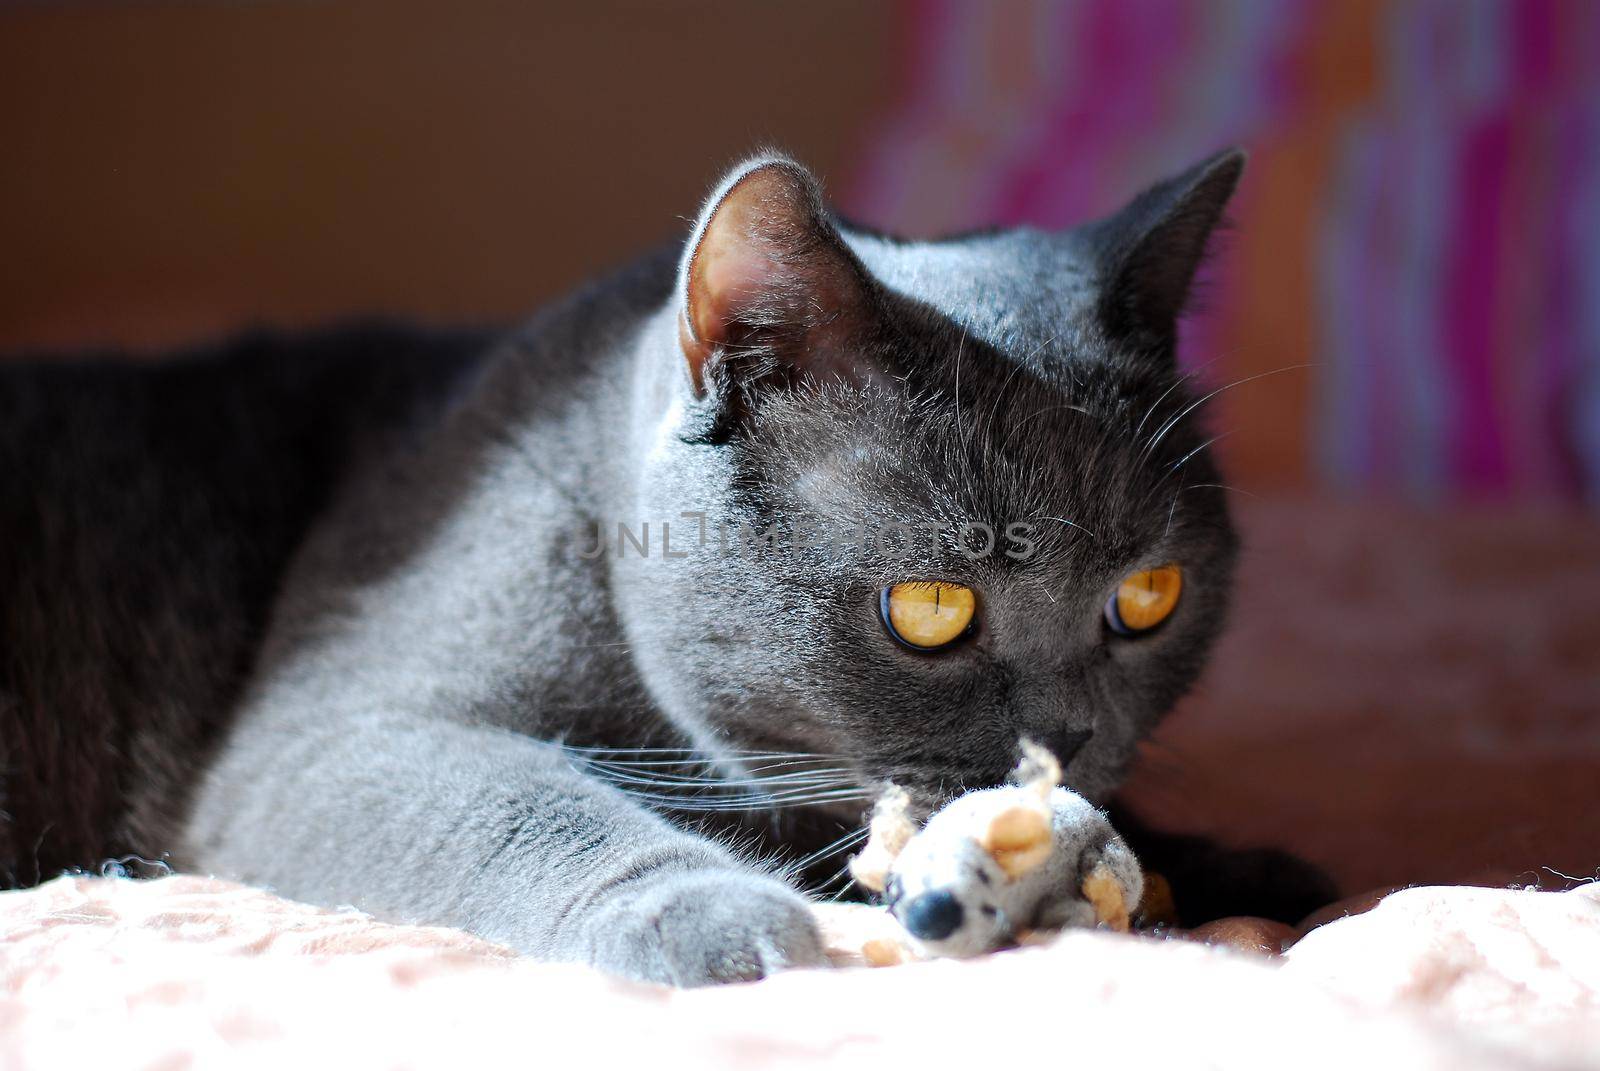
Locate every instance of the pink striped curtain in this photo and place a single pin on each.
(1416, 260)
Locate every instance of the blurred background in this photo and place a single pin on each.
(1412, 688)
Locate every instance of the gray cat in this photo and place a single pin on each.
(597, 637)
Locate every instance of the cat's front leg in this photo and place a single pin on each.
(431, 821)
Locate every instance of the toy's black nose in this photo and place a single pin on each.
(931, 916)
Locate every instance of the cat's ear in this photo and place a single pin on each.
(768, 289)
(1148, 253)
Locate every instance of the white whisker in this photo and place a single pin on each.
(1171, 423)
(694, 752)
(844, 843)
(1051, 409)
(1175, 466)
(1074, 524)
(1179, 382)
(823, 779)
(1222, 487)
(750, 802)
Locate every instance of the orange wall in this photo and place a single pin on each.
(176, 169)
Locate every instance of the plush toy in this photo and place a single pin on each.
(996, 864)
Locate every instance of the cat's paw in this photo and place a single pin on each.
(704, 928)
(997, 863)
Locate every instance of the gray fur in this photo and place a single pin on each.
(398, 731)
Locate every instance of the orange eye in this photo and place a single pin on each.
(1144, 600)
(928, 614)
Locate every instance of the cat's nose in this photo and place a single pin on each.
(1064, 745)
(932, 916)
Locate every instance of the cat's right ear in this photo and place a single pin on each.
(768, 291)
(1148, 253)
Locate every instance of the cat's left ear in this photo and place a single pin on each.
(1148, 253)
(768, 289)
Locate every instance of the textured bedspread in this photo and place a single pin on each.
(1405, 698)
(189, 972)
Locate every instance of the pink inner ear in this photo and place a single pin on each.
(767, 262)
(729, 274)
(732, 267)
(735, 266)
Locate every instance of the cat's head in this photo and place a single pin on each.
(1018, 388)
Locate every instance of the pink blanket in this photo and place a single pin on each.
(188, 972)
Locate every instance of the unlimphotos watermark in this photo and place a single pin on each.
(692, 531)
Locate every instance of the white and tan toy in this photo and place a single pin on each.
(995, 865)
